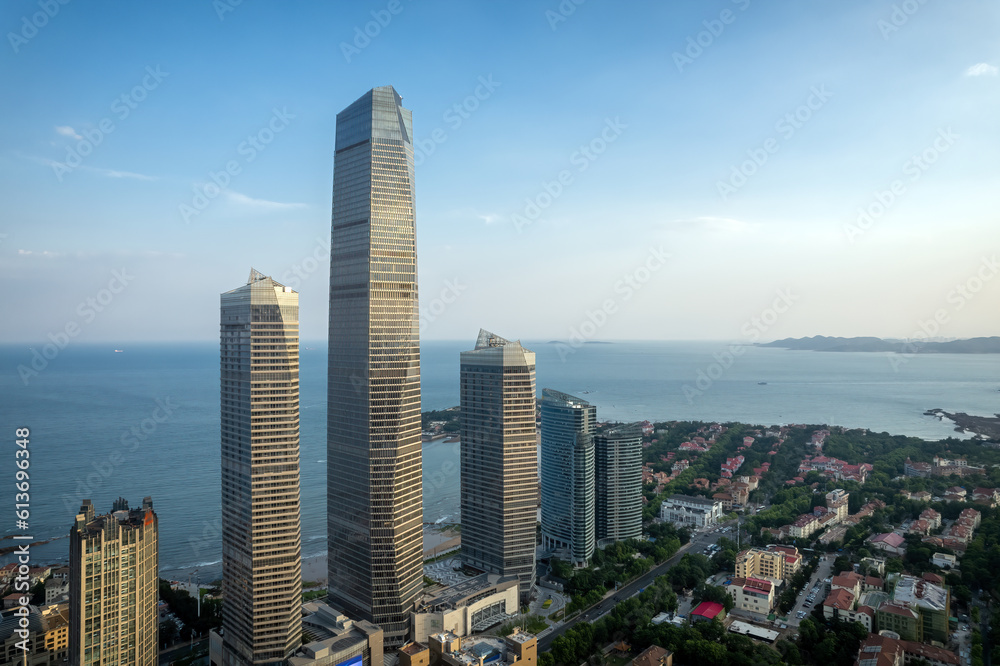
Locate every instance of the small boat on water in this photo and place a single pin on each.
(761, 383)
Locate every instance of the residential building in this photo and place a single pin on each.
(654, 655)
(843, 605)
(804, 526)
(944, 560)
(754, 595)
(261, 534)
(114, 586)
(884, 650)
(932, 602)
(773, 562)
(618, 490)
(374, 481)
(499, 456)
(47, 639)
(567, 465)
(889, 542)
(690, 511)
(836, 501)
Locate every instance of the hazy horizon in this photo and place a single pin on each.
(714, 171)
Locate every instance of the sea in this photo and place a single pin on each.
(145, 420)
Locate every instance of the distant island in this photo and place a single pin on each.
(989, 345)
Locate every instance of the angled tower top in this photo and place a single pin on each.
(255, 275)
(488, 339)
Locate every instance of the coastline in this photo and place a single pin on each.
(437, 540)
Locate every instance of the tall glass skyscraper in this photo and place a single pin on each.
(618, 464)
(261, 535)
(499, 459)
(568, 475)
(374, 491)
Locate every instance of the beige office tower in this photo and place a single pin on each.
(499, 459)
(261, 535)
(114, 587)
(374, 481)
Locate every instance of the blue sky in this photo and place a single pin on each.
(563, 157)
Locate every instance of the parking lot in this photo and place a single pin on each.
(812, 594)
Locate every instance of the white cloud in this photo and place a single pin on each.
(263, 204)
(43, 253)
(66, 130)
(982, 69)
(109, 173)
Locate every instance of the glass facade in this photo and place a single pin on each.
(374, 490)
(618, 501)
(568, 475)
(261, 534)
(499, 459)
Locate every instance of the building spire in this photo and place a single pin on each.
(255, 275)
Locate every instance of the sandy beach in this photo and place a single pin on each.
(437, 540)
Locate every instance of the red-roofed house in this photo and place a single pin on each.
(707, 610)
(890, 542)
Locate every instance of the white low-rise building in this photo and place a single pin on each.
(471, 606)
(690, 511)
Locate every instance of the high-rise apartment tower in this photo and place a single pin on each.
(499, 459)
(618, 484)
(568, 475)
(114, 587)
(261, 534)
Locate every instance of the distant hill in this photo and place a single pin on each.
(989, 345)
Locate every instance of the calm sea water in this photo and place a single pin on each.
(83, 407)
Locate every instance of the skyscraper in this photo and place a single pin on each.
(568, 475)
(114, 587)
(618, 487)
(499, 459)
(261, 536)
(374, 489)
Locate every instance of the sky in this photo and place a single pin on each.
(719, 170)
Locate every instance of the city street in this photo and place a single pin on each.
(697, 544)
